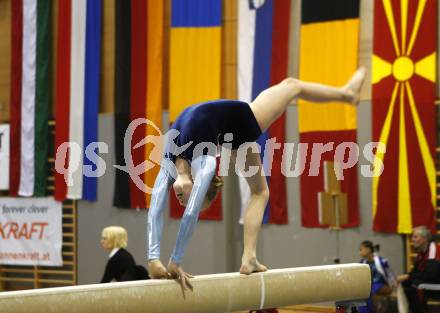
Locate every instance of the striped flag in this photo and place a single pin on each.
(30, 100)
(138, 92)
(77, 97)
(404, 87)
(195, 67)
(263, 36)
(195, 53)
(328, 54)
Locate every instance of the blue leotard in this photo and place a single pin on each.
(199, 127)
(209, 122)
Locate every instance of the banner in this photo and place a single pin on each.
(4, 156)
(30, 231)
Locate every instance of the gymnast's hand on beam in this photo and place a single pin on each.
(182, 277)
(157, 270)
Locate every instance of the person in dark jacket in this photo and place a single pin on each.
(426, 269)
(121, 265)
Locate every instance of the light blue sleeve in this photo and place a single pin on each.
(203, 168)
(164, 180)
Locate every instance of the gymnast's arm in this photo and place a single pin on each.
(163, 182)
(204, 167)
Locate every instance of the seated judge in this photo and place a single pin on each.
(426, 270)
(121, 265)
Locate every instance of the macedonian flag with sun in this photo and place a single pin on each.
(403, 78)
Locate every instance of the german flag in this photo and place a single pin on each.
(404, 63)
(139, 85)
(328, 55)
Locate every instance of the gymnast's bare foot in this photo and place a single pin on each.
(251, 266)
(353, 87)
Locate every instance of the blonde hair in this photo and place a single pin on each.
(116, 235)
(214, 188)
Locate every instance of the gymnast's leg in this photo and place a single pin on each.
(253, 215)
(272, 102)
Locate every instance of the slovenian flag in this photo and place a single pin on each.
(77, 96)
(30, 96)
(263, 37)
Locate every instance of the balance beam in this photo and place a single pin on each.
(212, 293)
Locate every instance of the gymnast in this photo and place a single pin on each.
(192, 172)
